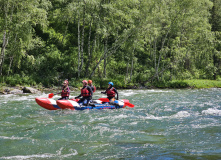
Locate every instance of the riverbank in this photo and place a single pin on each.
(194, 84)
(177, 84)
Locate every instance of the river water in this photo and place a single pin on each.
(164, 124)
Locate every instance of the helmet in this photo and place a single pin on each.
(84, 81)
(66, 81)
(90, 81)
(111, 83)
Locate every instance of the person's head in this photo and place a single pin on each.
(90, 82)
(84, 82)
(110, 84)
(65, 83)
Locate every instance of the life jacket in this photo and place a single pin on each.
(65, 93)
(110, 92)
(93, 88)
(85, 92)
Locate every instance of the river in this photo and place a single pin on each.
(164, 124)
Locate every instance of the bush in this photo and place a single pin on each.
(185, 75)
(18, 80)
(178, 84)
(171, 84)
(100, 83)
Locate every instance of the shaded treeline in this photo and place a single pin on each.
(127, 41)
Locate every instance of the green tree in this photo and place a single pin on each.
(18, 19)
(215, 21)
(175, 32)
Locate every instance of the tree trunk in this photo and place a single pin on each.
(102, 58)
(132, 64)
(89, 50)
(9, 68)
(105, 58)
(93, 47)
(82, 44)
(66, 29)
(159, 58)
(13, 51)
(79, 46)
(4, 44)
(127, 71)
(113, 49)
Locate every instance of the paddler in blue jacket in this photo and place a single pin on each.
(111, 91)
(65, 93)
(86, 93)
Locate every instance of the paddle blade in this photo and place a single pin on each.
(104, 99)
(50, 95)
(76, 100)
(129, 104)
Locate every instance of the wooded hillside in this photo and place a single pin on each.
(130, 41)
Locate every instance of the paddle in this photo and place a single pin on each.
(129, 104)
(51, 95)
(104, 99)
(126, 103)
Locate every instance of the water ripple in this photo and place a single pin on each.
(164, 124)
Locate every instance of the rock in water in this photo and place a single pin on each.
(30, 90)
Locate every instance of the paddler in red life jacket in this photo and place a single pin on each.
(91, 85)
(111, 91)
(86, 93)
(65, 93)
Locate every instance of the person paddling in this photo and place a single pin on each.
(86, 93)
(111, 91)
(65, 93)
(91, 85)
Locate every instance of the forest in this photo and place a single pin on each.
(125, 41)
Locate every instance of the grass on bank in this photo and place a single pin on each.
(195, 83)
(119, 83)
(204, 83)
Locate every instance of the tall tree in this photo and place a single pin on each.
(215, 21)
(19, 18)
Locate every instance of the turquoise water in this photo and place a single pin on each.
(164, 124)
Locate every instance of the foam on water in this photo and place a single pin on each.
(58, 155)
(170, 124)
(11, 138)
(212, 111)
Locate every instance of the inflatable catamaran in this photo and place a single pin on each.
(102, 103)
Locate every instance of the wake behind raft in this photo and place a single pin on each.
(102, 103)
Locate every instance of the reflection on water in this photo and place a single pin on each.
(164, 124)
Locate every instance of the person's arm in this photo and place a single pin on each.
(104, 92)
(67, 90)
(62, 91)
(78, 96)
(90, 90)
(93, 89)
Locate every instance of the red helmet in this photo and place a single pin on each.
(84, 81)
(66, 81)
(90, 81)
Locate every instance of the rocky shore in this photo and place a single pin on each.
(31, 90)
(19, 90)
(193, 84)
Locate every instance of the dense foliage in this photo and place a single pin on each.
(125, 41)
